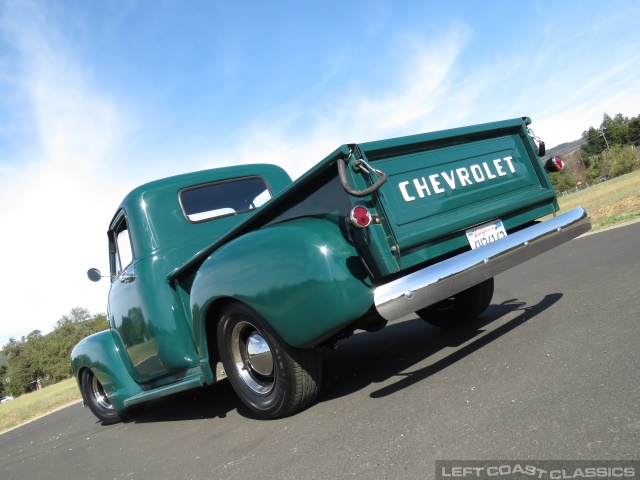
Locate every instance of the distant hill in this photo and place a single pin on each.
(565, 148)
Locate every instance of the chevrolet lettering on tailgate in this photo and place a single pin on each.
(460, 177)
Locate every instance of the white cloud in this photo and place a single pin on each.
(573, 102)
(401, 105)
(55, 206)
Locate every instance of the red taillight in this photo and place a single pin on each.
(360, 217)
(559, 163)
(554, 164)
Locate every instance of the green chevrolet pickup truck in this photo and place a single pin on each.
(240, 273)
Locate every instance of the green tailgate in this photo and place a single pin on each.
(442, 183)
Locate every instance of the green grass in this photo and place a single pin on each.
(621, 219)
(30, 406)
(608, 203)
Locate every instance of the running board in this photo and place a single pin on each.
(187, 383)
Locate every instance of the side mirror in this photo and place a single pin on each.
(94, 274)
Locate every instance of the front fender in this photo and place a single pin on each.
(98, 352)
(302, 276)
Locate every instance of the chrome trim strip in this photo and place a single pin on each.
(425, 287)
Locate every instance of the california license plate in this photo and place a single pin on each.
(485, 234)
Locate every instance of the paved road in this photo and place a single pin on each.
(551, 371)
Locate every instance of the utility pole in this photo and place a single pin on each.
(605, 139)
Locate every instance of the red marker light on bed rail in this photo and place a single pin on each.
(559, 163)
(554, 164)
(360, 217)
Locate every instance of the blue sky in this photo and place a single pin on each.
(97, 97)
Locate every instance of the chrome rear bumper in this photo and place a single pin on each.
(425, 287)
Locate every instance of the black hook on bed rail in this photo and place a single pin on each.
(362, 165)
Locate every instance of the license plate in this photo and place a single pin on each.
(485, 234)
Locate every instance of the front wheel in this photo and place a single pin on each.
(273, 379)
(461, 308)
(98, 401)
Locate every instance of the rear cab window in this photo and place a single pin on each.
(221, 199)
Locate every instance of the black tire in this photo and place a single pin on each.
(461, 308)
(98, 401)
(271, 378)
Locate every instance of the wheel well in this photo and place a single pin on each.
(211, 330)
(79, 381)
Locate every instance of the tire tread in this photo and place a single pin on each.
(468, 305)
(300, 369)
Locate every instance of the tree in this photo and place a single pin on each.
(595, 143)
(3, 376)
(33, 336)
(616, 129)
(18, 365)
(77, 315)
(634, 131)
(620, 160)
(47, 356)
(614, 162)
(12, 349)
(562, 181)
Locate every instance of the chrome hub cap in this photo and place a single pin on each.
(252, 358)
(99, 396)
(259, 354)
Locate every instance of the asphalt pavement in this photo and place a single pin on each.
(550, 371)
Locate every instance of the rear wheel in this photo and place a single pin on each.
(459, 309)
(273, 379)
(98, 401)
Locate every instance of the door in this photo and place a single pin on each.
(127, 314)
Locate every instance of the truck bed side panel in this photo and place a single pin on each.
(302, 276)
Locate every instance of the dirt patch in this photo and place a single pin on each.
(624, 206)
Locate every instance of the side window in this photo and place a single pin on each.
(120, 247)
(221, 199)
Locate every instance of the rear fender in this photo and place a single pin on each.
(302, 276)
(98, 353)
